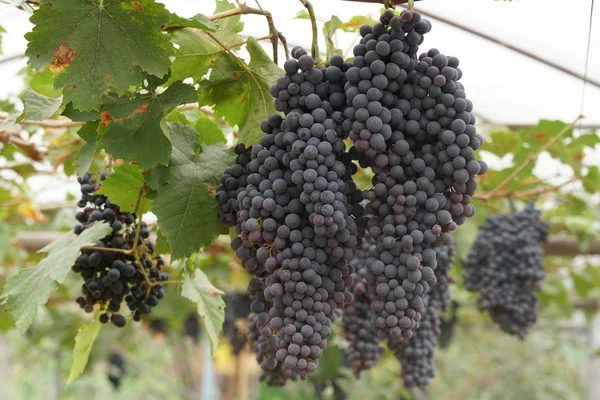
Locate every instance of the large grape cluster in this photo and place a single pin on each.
(298, 213)
(505, 266)
(292, 201)
(112, 277)
(363, 349)
(412, 125)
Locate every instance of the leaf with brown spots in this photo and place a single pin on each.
(240, 92)
(133, 126)
(95, 47)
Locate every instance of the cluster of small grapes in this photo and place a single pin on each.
(297, 213)
(416, 355)
(111, 276)
(363, 345)
(412, 125)
(116, 369)
(439, 297)
(506, 267)
(237, 306)
(191, 326)
(263, 342)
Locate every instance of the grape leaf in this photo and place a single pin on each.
(88, 152)
(39, 107)
(81, 116)
(123, 186)
(240, 93)
(133, 126)
(31, 287)
(184, 201)
(329, 29)
(211, 306)
(96, 45)
(162, 244)
(209, 131)
(198, 21)
(84, 341)
(197, 51)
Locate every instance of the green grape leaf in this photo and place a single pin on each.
(123, 186)
(133, 126)
(503, 142)
(31, 287)
(198, 51)
(84, 341)
(240, 93)
(329, 29)
(81, 116)
(162, 244)
(211, 306)
(89, 151)
(331, 361)
(184, 201)
(93, 46)
(41, 81)
(209, 131)
(591, 179)
(198, 21)
(39, 107)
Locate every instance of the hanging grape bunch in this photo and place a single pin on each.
(111, 277)
(505, 267)
(294, 203)
(363, 345)
(412, 125)
(298, 213)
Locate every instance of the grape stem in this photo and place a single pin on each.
(67, 123)
(274, 35)
(530, 159)
(314, 48)
(525, 194)
(172, 282)
(128, 252)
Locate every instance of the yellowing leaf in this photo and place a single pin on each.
(83, 346)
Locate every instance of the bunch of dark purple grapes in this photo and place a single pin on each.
(111, 277)
(505, 267)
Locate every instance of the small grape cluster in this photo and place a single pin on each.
(439, 297)
(416, 355)
(111, 277)
(506, 267)
(237, 307)
(363, 345)
(116, 369)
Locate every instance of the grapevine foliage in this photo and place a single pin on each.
(317, 248)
